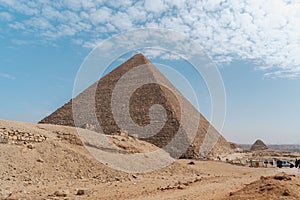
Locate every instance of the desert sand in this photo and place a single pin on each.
(40, 161)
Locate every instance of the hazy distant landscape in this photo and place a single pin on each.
(282, 147)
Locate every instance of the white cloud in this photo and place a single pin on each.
(100, 15)
(158, 53)
(121, 5)
(7, 76)
(156, 6)
(73, 4)
(5, 16)
(266, 32)
(51, 14)
(29, 8)
(122, 21)
(137, 14)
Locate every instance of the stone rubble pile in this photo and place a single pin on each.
(179, 185)
(72, 139)
(12, 136)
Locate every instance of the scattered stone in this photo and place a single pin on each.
(72, 139)
(81, 192)
(123, 133)
(197, 179)
(180, 187)
(40, 160)
(187, 183)
(134, 176)
(283, 177)
(88, 127)
(169, 187)
(135, 136)
(263, 178)
(191, 163)
(286, 192)
(19, 137)
(61, 193)
(3, 140)
(4, 194)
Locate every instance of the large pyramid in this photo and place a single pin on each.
(205, 142)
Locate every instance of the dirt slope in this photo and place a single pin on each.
(49, 162)
(280, 186)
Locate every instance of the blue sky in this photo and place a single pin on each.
(255, 46)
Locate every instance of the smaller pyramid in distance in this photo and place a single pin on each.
(234, 145)
(258, 145)
(95, 110)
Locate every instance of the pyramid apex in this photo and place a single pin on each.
(141, 57)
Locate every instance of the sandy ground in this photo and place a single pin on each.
(61, 168)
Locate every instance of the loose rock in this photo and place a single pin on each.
(40, 160)
(81, 192)
(61, 193)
